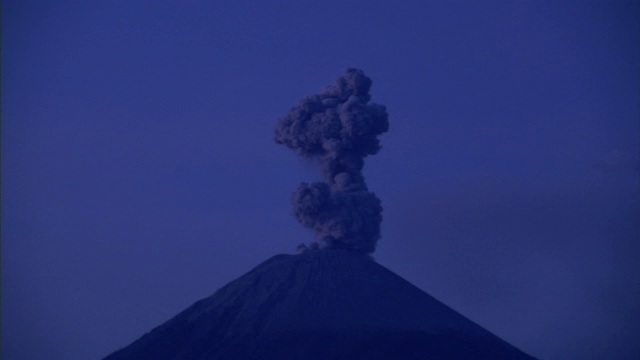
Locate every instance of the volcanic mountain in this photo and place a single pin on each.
(322, 304)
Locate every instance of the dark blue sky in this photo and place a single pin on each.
(139, 172)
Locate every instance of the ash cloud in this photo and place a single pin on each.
(339, 128)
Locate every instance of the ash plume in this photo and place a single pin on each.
(339, 128)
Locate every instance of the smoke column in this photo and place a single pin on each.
(339, 127)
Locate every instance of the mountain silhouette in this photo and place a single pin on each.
(323, 304)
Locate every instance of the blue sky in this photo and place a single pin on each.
(139, 171)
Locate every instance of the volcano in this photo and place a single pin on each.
(320, 304)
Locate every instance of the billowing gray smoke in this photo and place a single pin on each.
(339, 128)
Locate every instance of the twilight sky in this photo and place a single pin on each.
(139, 171)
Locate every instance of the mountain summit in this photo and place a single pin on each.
(322, 304)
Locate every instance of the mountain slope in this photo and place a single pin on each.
(327, 304)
